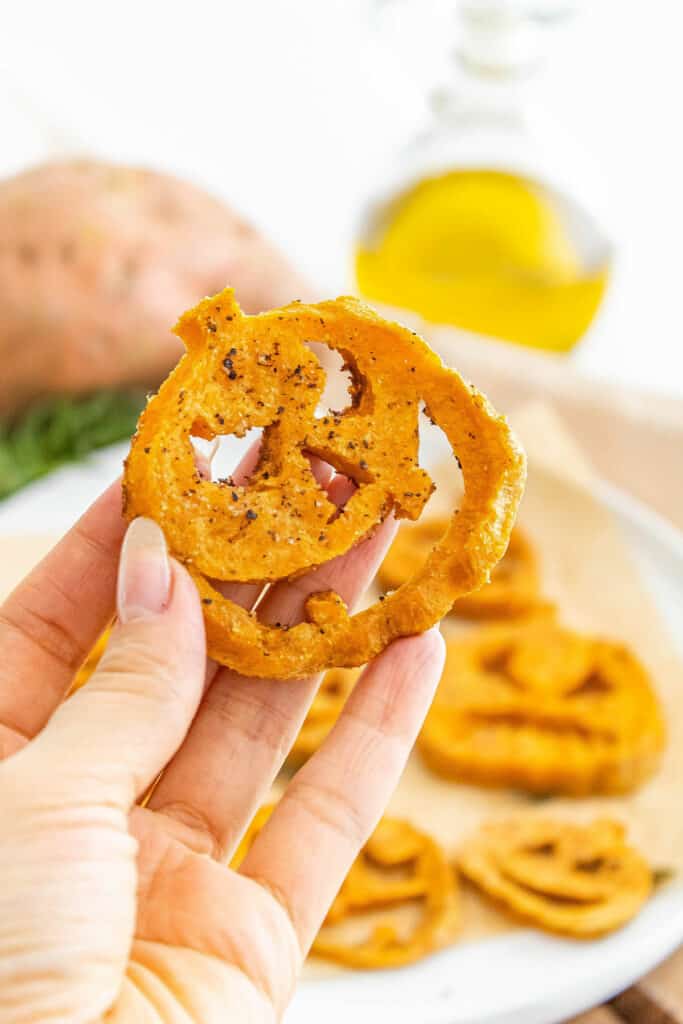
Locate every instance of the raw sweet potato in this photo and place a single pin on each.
(95, 262)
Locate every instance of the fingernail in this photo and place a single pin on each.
(144, 581)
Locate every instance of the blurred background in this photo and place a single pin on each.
(508, 168)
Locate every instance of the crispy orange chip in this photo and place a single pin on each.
(324, 711)
(241, 372)
(399, 867)
(513, 590)
(542, 708)
(582, 881)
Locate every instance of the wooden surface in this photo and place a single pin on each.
(657, 999)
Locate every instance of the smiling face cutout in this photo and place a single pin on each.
(242, 372)
(542, 708)
(578, 880)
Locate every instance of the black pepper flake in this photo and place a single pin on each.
(363, 464)
(207, 600)
(235, 496)
(266, 475)
(458, 461)
(228, 317)
(297, 371)
(227, 363)
(280, 409)
(251, 515)
(220, 418)
(232, 375)
(382, 597)
(147, 451)
(211, 326)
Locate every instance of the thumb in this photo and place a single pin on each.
(113, 737)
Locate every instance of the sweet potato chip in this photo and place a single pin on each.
(582, 881)
(539, 707)
(513, 590)
(398, 866)
(241, 372)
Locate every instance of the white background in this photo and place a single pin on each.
(287, 108)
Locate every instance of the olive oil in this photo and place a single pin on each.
(490, 251)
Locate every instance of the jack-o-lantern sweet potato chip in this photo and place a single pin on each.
(512, 592)
(542, 708)
(582, 881)
(241, 372)
(399, 869)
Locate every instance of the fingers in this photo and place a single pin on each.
(246, 727)
(335, 801)
(52, 619)
(111, 739)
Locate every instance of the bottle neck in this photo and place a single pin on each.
(500, 51)
(498, 40)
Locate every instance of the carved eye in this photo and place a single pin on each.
(592, 685)
(542, 850)
(590, 867)
(497, 661)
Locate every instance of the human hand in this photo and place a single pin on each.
(114, 912)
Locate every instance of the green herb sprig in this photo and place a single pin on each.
(61, 430)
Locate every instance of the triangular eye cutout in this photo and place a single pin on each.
(196, 327)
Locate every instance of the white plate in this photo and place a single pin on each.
(525, 977)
